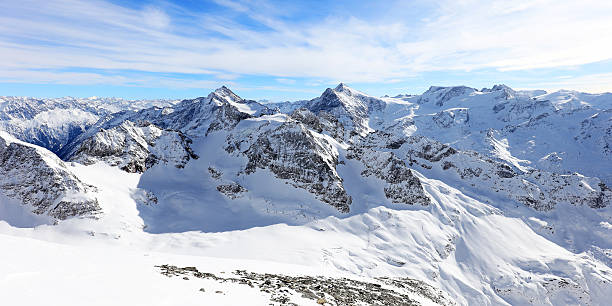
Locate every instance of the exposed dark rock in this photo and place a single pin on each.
(216, 174)
(292, 153)
(402, 186)
(538, 189)
(39, 179)
(232, 190)
(326, 290)
(136, 147)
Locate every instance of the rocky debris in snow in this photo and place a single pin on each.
(40, 179)
(232, 190)
(215, 173)
(136, 147)
(326, 290)
(556, 289)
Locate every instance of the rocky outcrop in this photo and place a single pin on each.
(323, 123)
(136, 147)
(295, 154)
(37, 178)
(597, 132)
(402, 187)
(232, 190)
(537, 189)
(452, 117)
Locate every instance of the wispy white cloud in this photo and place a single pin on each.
(514, 35)
(285, 81)
(235, 5)
(64, 35)
(594, 83)
(156, 18)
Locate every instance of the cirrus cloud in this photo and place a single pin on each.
(63, 35)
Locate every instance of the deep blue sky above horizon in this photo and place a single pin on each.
(289, 50)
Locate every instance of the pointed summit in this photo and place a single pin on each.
(223, 93)
(223, 96)
(342, 87)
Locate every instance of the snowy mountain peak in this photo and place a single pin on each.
(344, 96)
(343, 88)
(504, 91)
(223, 95)
(498, 87)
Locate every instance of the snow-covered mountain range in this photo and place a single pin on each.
(480, 197)
(53, 123)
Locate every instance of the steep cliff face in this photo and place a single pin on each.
(292, 152)
(401, 185)
(440, 95)
(39, 179)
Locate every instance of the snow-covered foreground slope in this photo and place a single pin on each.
(415, 199)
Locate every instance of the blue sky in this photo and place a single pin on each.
(289, 50)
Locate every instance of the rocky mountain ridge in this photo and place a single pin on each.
(303, 147)
(52, 123)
